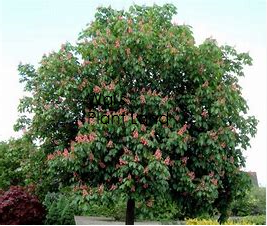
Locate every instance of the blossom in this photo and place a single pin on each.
(133, 188)
(122, 162)
(167, 161)
(182, 130)
(143, 128)
(214, 181)
(204, 114)
(113, 187)
(65, 153)
(135, 134)
(136, 158)
(97, 89)
(50, 157)
(110, 144)
(144, 141)
(158, 154)
(117, 43)
(85, 193)
(191, 175)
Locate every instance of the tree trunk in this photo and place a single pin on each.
(130, 212)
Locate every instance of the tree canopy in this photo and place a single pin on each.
(136, 108)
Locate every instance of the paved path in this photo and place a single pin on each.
(80, 220)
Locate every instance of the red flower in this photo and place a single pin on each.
(143, 128)
(158, 154)
(167, 161)
(113, 187)
(182, 130)
(50, 157)
(214, 181)
(191, 175)
(204, 114)
(97, 89)
(144, 141)
(122, 162)
(110, 144)
(136, 158)
(135, 134)
(65, 153)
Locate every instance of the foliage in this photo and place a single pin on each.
(258, 220)
(253, 203)
(19, 206)
(13, 155)
(60, 209)
(215, 222)
(137, 65)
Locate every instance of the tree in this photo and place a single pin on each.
(14, 155)
(137, 109)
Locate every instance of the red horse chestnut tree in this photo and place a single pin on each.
(137, 109)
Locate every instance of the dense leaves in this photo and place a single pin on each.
(137, 108)
(19, 206)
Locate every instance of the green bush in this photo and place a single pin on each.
(258, 220)
(61, 209)
(254, 203)
(13, 156)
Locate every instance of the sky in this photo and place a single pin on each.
(30, 28)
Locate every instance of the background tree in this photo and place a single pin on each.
(152, 67)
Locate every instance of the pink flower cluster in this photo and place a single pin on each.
(86, 138)
(135, 134)
(182, 130)
(158, 154)
(144, 141)
(191, 175)
(184, 160)
(65, 154)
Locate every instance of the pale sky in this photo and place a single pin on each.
(30, 28)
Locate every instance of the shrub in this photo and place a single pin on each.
(215, 222)
(60, 209)
(253, 203)
(258, 220)
(18, 206)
